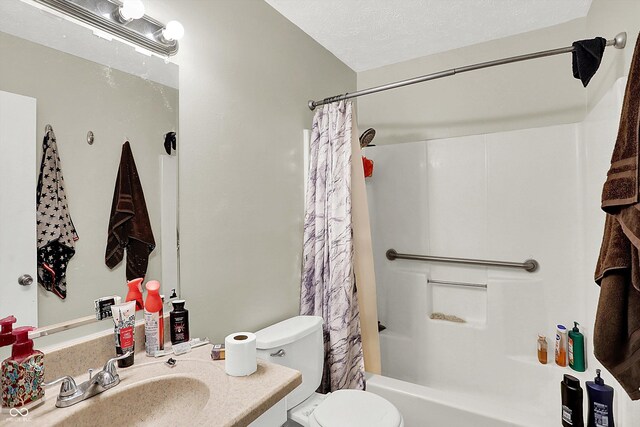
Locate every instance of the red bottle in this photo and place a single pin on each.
(135, 293)
(6, 329)
(153, 319)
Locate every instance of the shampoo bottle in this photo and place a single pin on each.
(179, 323)
(576, 349)
(153, 319)
(571, 402)
(135, 293)
(600, 403)
(22, 373)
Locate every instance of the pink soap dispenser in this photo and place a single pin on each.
(6, 329)
(22, 373)
(135, 293)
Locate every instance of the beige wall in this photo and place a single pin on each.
(246, 74)
(75, 96)
(529, 94)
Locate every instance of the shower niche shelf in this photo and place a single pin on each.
(447, 301)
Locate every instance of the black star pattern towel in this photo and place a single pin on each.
(56, 233)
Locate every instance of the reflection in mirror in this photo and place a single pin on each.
(118, 95)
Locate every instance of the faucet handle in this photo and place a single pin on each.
(110, 366)
(68, 387)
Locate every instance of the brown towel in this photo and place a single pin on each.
(616, 337)
(621, 187)
(129, 225)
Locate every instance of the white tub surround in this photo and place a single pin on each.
(529, 193)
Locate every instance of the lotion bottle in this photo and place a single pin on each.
(600, 403)
(22, 373)
(153, 319)
(179, 323)
(561, 345)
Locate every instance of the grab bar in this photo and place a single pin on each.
(461, 284)
(530, 265)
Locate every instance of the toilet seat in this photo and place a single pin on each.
(355, 408)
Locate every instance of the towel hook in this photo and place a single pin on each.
(48, 128)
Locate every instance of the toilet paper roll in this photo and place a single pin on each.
(240, 354)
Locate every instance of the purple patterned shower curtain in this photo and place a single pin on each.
(328, 282)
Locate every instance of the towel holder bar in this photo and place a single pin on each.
(460, 284)
(529, 265)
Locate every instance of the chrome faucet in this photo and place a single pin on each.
(70, 393)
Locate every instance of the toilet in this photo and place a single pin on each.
(297, 344)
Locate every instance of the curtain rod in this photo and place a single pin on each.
(618, 42)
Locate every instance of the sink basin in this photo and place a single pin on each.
(169, 400)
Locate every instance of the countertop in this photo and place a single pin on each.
(197, 391)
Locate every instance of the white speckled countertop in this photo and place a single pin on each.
(196, 391)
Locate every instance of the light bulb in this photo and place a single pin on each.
(173, 31)
(132, 9)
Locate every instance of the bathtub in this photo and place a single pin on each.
(423, 406)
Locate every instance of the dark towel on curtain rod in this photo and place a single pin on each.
(616, 338)
(586, 58)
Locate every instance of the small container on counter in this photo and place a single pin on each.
(179, 322)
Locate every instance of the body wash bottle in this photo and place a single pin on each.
(153, 319)
(22, 373)
(600, 403)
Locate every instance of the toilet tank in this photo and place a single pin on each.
(297, 344)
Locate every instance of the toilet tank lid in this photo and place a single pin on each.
(287, 331)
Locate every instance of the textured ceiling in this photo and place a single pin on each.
(366, 34)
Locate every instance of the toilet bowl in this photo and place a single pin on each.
(297, 343)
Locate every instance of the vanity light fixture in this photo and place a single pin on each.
(123, 19)
(130, 10)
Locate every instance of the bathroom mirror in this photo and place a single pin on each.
(96, 94)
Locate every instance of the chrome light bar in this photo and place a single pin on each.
(106, 15)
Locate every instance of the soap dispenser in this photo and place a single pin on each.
(576, 349)
(22, 373)
(6, 329)
(600, 403)
(135, 293)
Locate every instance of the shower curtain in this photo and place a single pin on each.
(328, 282)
